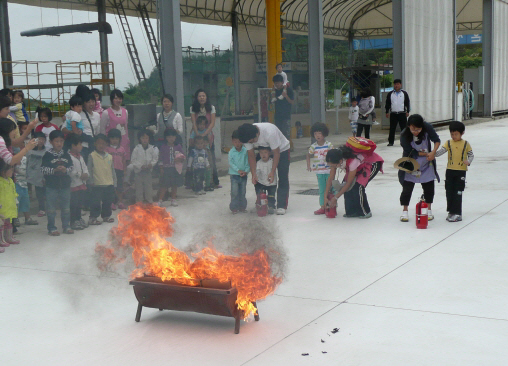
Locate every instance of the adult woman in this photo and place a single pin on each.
(360, 170)
(168, 118)
(201, 106)
(18, 140)
(8, 131)
(416, 141)
(366, 109)
(117, 117)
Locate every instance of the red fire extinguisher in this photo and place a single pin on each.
(262, 206)
(330, 212)
(422, 214)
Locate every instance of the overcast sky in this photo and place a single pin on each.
(85, 47)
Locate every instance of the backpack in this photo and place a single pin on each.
(361, 145)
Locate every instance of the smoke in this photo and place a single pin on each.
(242, 234)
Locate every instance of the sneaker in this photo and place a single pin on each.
(209, 189)
(430, 215)
(76, 225)
(389, 145)
(368, 216)
(41, 214)
(280, 211)
(201, 193)
(404, 217)
(218, 186)
(321, 211)
(113, 207)
(31, 221)
(448, 217)
(234, 212)
(83, 223)
(455, 218)
(375, 123)
(68, 231)
(174, 203)
(271, 210)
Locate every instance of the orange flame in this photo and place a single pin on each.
(145, 228)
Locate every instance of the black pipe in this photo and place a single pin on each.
(104, 27)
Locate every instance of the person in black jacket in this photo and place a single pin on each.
(56, 167)
(397, 108)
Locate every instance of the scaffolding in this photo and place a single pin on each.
(52, 83)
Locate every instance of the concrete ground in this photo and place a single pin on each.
(398, 295)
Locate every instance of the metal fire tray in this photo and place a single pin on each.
(210, 297)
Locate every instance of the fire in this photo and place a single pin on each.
(145, 229)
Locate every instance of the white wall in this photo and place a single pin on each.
(428, 57)
(500, 57)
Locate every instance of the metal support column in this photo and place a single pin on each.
(273, 39)
(170, 39)
(316, 62)
(103, 41)
(487, 34)
(236, 62)
(398, 40)
(5, 44)
(350, 62)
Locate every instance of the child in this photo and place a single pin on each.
(79, 176)
(278, 67)
(201, 122)
(198, 161)
(34, 174)
(460, 156)
(317, 152)
(238, 170)
(102, 180)
(299, 129)
(56, 167)
(144, 157)
(8, 208)
(263, 170)
(171, 159)
(116, 150)
(45, 116)
(353, 117)
(73, 118)
(18, 108)
(98, 96)
(22, 191)
(201, 125)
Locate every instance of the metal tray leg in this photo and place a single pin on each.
(256, 315)
(138, 313)
(237, 324)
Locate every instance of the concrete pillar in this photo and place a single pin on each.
(5, 44)
(487, 59)
(171, 54)
(236, 63)
(273, 39)
(398, 40)
(316, 62)
(103, 41)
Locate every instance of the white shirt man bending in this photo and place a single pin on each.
(267, 134)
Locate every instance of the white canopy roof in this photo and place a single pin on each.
(365, 18)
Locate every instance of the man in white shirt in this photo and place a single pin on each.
(397, 109)
(267, 134)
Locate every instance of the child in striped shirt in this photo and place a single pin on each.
(316, 161)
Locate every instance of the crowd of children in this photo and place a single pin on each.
(87, 163)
